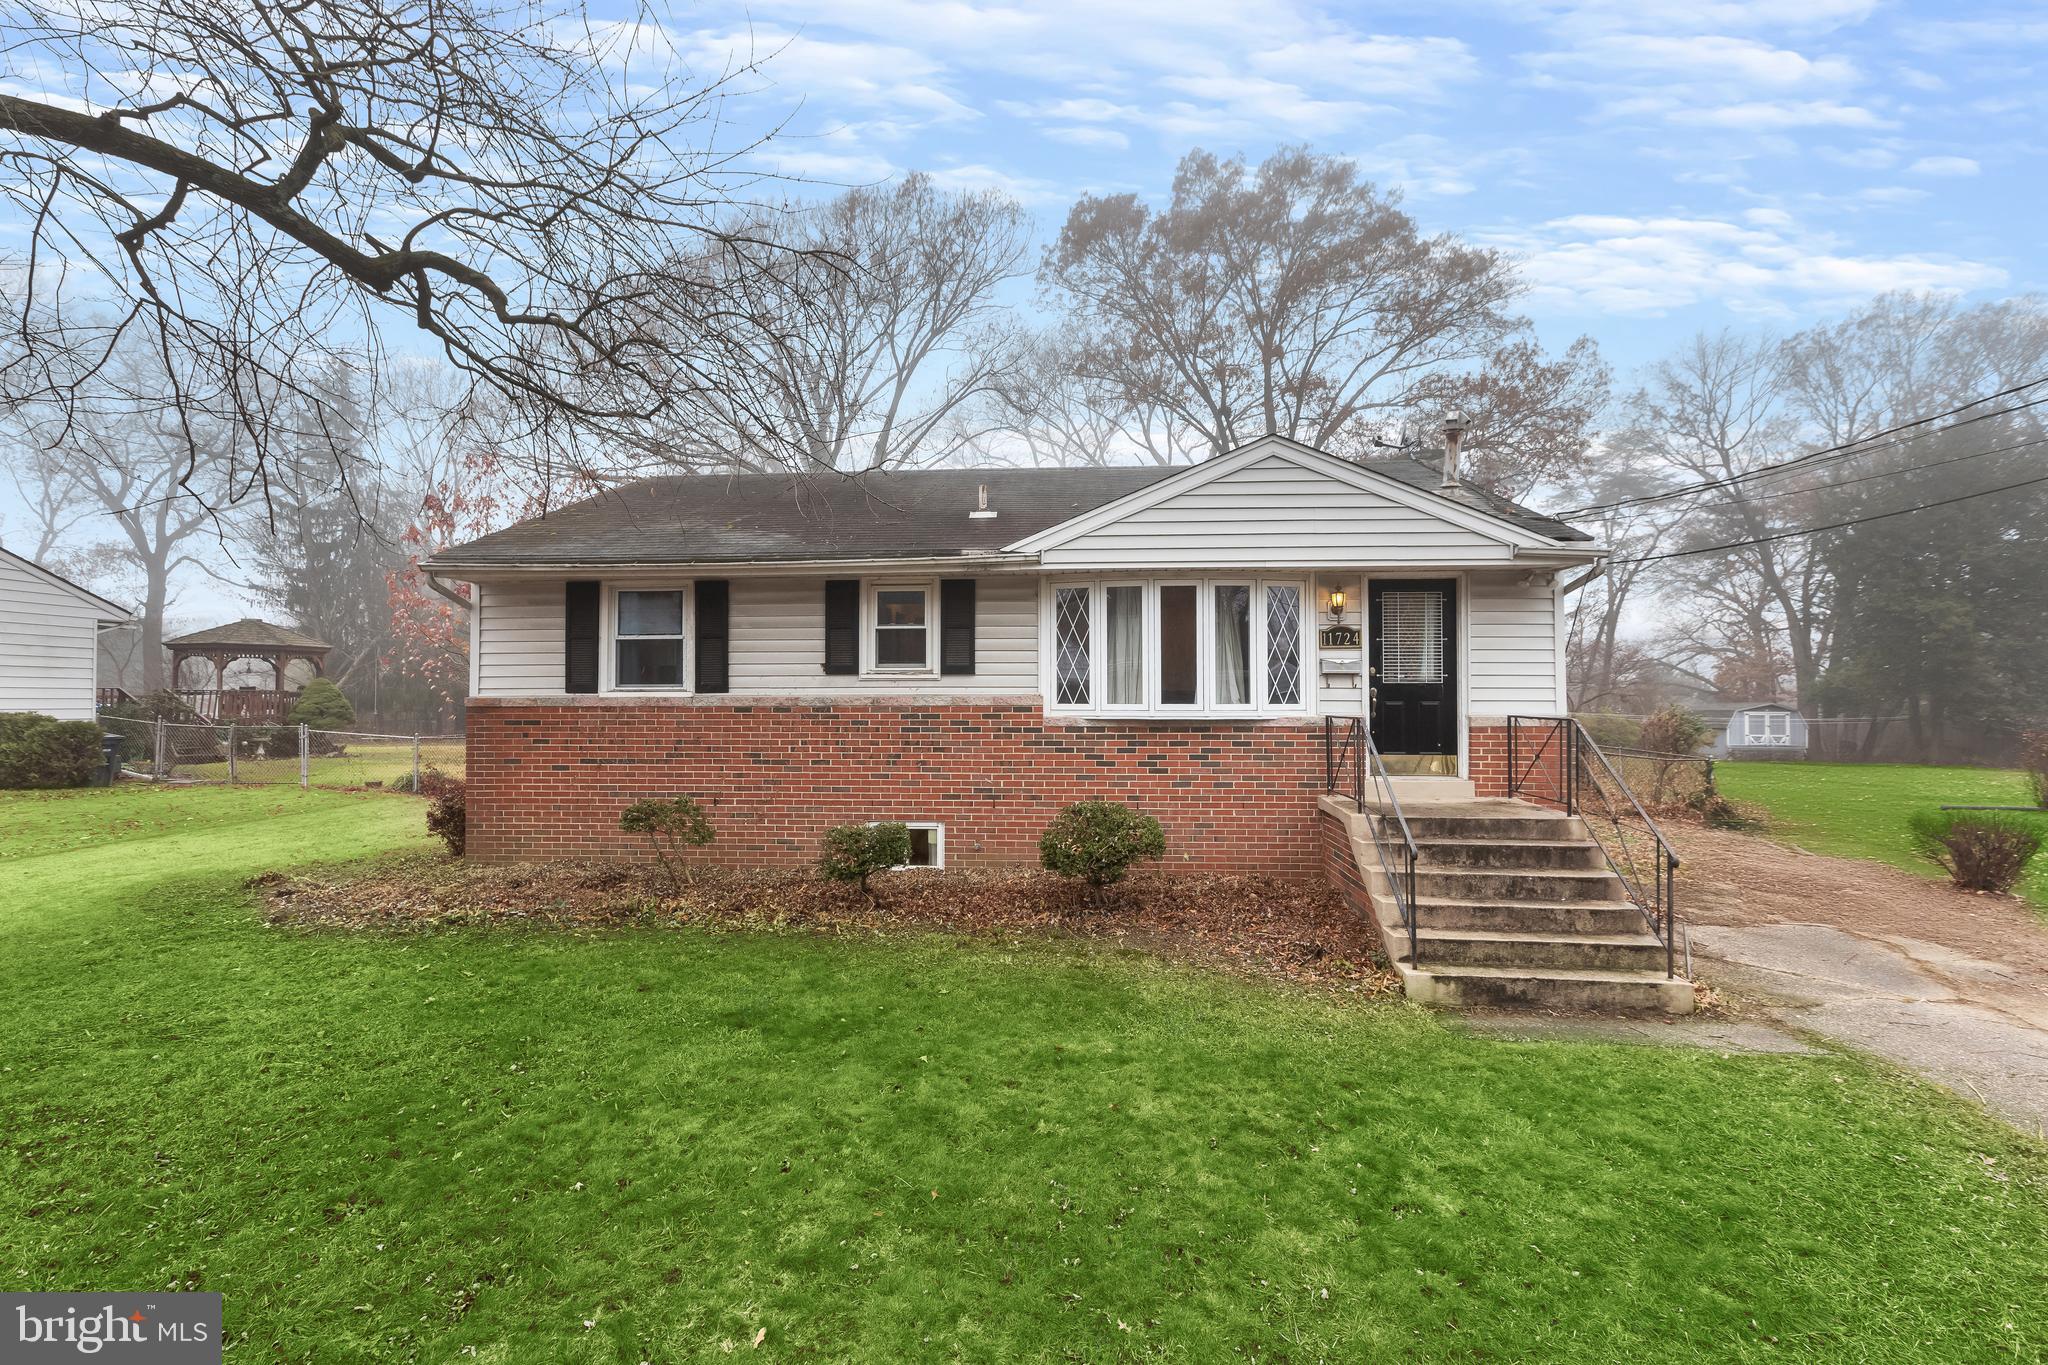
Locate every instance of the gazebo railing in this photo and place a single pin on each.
(251, 705)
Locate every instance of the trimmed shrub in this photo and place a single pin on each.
(322, 706)
(1097, 841)
(40, 751)
(1980, 850)
(2034, 758)
(854, 853)
(1674, 730)
(671, 826)
(448, 809)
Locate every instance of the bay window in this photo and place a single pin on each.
(1165, 646)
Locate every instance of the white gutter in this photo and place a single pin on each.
(444, 590)
(800, 567)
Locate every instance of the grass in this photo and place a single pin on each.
(514, 1146)
(1859, 810)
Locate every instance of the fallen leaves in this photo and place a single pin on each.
(1262, 926)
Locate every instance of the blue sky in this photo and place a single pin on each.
(1659, 165)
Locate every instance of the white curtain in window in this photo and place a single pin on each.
(1125, 640)
(1233, 644)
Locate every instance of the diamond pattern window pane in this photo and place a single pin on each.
(1070, 643)
(1283, 645)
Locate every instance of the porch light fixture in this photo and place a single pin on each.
(1336, 604)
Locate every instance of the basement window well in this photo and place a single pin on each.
(927, 844)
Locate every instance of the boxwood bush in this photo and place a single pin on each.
(1098, 841)
(41, 751)
(854, 853)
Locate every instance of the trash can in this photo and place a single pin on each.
(111, 746)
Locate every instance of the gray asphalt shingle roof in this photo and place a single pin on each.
(922, 514)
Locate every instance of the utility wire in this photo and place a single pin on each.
(1883, 474)
(1845, 450)
(1832, 526)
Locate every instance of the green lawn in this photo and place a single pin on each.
(515, 1146)
(1859, 810)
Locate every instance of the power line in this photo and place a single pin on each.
(1845, 450)
(1833, 526)
(1895, 473)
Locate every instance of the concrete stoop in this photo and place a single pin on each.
(1515, 908)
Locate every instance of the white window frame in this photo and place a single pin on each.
(1152, 668)
(870, 619)
(1769, 733)
(938, 829)
(1148, 654)
(608, 665)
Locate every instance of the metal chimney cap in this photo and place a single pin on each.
(1455, 423)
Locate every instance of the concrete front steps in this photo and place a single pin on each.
(1516, 907)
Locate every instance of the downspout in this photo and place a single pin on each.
(444, 590)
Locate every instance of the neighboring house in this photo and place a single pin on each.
(1762, 730)
(970, 650)
(49, 640)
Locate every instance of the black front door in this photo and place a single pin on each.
(1414, 639)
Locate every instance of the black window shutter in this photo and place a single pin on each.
(714, 630)
(580, 632)
(842, 625)
(956, 625)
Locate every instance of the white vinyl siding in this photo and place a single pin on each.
(517, 634)
(1512, 646)
(49, 638)
(778, 641)
(1274, 513)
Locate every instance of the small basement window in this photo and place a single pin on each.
(927, 844)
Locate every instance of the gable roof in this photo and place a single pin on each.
(114, 610)
(1401, 479)
(250, 632)
(907, 515)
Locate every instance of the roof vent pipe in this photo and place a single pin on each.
(982, 511)
(1454, 436)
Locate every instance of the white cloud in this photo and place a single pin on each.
(1760, 115)
(1084, 136)
(1944, 165)
(1713, 59)
(1387, 68)
(1650, 265)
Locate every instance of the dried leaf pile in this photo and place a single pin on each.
(1263, 926)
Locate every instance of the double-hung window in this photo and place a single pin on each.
(1212, 646)
(648, 639)
(901, 617)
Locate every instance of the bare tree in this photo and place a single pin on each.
(56, 501)
(869, 339)
(1047, 409)
(149, 472)
(1294, 298)
(1713, 415)
(249, 186)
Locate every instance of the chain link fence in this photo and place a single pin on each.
(1663, 781)
(294, 755)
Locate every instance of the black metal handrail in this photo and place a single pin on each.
(1361, 756)
(1552, 760)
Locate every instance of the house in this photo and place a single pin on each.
(49, 640)
(1761, 730)
(970, 650)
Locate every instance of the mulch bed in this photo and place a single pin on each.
(1298, 932)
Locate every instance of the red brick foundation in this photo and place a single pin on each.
(1486, 759)
(548, 779)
